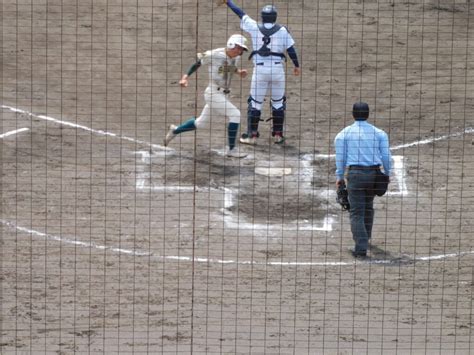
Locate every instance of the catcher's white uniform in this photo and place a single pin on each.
(269, 72)
(270, 41)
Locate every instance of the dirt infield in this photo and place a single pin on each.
(112, 243)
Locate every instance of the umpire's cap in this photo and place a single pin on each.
(360, 111)
(269, 14)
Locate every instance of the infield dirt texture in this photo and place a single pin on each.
(112, 243)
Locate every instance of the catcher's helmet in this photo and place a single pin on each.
(269, 14)
(360, 111)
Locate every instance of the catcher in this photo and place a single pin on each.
(270, 41)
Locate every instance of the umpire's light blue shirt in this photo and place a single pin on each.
(362, 144)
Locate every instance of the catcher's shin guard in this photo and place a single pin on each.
(278, 116)
(278, 121)
(253, 118)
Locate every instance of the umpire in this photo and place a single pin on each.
(361, 149)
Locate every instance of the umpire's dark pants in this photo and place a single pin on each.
(360, 186)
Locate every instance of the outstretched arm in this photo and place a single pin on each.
(184, 79)
(237, 10)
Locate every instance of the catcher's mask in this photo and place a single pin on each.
(342, 197)
(269, 14)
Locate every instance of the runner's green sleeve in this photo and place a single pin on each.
(194, 67)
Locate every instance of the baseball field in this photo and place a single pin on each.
(114, 244)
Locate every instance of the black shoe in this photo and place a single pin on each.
(358, 254)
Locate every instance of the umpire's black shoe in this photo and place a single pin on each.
(358, 254)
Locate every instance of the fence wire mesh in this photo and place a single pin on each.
(113, 243)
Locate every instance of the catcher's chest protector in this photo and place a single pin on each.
(264, 51)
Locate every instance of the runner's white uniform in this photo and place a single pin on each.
(221, 70)
(222, 65)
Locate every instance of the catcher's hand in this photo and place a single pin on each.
(221, 2)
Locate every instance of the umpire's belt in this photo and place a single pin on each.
(267, 63)
(225, 91)
(363, 167)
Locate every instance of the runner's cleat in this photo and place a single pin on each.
(235, 153)
(246, 139)
(170, 135)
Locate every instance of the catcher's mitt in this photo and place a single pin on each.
(342, 197)
(220, 2)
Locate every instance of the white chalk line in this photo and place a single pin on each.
(399, 173)
(12, 133)
(469, 130)
(106, 133)
(433, 139)
(152, 256)
(85, 128)
(73, 241)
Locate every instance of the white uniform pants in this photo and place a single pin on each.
(268, 76)
(218, 104)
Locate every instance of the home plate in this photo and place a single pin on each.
(272, 171)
